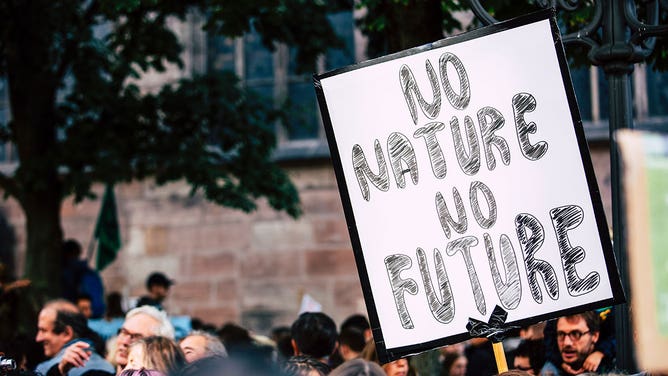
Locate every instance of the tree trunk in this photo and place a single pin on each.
(33, 82)
(44, 239)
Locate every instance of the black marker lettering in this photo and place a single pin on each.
(409, 85)
(530, 245)
(401, 152)
(476, 187)
(563, 219)
(510, 292)
(490, 120)
(469, 162)
(446, 218)
(362, 170)
(394, 265)
(461, 100)
(428, 132)
(442, 308)
(464, 245)
(523, 103)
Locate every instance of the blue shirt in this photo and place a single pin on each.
(95, 362)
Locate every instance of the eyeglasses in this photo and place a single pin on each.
(133, 336)
(574, 335)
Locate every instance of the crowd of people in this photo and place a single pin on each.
(146, 344)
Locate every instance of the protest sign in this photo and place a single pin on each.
(645, 156)
(467, 184)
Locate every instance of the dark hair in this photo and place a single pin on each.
(79, 324)
(302, 365)
(158, 279)
(315, 334)
(75, 320)
(114, 306)
(356, 321)
(591, 318)
(534, 350)
(232, 334)
(84, 296)
(450, 359)
(353, 337)
(281, 335)
(71, 249)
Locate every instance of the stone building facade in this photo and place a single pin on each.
(230, 266)
(247, 268)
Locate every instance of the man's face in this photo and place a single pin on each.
(85, 307)
(194, 347)
(575, 350)
(159, 292)
(133, 329)
(51, 341)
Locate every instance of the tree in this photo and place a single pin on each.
(395, 25)
(78, 119)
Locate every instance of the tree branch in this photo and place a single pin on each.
(71, 45)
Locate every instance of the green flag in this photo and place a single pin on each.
(107, 231)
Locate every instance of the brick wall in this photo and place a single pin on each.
(231, 266)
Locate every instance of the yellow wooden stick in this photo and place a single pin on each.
(500, 357)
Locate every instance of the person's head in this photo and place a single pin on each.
(236, 338)
(282, 337)
(351, 342)
(85, 305)
(58, 322)
(398, 367)
(314, 334)
(156, 353)
(305, 365)
(158, 285)
(114, 305)
(514, 372)
(199, 344)
(529, 356)
(141, 372)
(141, 322)
(533, 332)
(360, 322)
(358, 367)
(71, 250)
(454, 364)
(240, 365)
(576, 337)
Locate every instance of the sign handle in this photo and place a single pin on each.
(500, 357)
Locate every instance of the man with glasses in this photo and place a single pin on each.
(144, 321)
(577, 336)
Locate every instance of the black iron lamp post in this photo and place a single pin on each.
(617, 39)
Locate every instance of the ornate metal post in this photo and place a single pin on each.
(617, 40)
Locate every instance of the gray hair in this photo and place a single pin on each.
(358, 367)
(164, 327)
(214, 346)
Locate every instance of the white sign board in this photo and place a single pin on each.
(467, 183)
